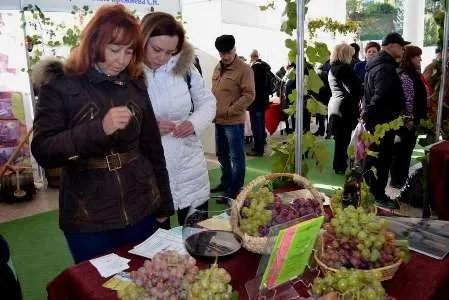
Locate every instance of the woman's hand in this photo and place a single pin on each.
(116, 118)
(183, 130)
(166, 127)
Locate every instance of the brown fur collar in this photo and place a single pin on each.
(185, 60)
(46, 70)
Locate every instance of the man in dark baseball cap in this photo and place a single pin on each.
(383, 102)
(233, 87)
(394, 38)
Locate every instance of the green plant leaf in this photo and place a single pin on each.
(292, 97)
(316, 107)
(312, 81)
(317, 54)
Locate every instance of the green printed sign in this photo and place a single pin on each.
(291, 253)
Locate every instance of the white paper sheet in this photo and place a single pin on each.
(161, 240)
(110, 264)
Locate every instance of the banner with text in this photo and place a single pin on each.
(171, 6)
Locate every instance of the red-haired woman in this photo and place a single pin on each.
(95, 121)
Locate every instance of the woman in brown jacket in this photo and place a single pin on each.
(95, 121)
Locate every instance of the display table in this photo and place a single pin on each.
(423, 278)
(439, 164)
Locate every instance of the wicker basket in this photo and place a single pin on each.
(258, 244)
(387, 271)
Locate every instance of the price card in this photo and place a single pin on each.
(291, 253)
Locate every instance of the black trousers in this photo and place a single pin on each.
(341, 130)
(305, 122)
(382, 164)
(182, 215)
(402, 156)
(321, 120)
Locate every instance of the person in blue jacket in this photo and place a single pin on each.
(371, 50)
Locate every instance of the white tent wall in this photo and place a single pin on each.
(202, 23)
(256, 29)
(252, 28)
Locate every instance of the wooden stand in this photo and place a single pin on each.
(16, 186)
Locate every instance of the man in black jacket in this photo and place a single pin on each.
(383, 102)
(257, 109)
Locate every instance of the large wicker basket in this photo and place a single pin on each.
(258, 244)
(387, 271)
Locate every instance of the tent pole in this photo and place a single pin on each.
(299, 84)
(37, 170)
(443, 75)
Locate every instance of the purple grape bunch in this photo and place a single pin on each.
(300, 207)
(307, 206)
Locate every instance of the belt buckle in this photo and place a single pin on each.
(113, 161)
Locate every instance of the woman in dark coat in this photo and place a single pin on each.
(95, 121)
(415, 109)
(343, 104)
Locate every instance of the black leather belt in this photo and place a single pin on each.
(113, 161)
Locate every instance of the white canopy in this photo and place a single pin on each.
(170, 6)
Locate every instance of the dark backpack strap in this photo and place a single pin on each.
(188, 80)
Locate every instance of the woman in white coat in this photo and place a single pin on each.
(183, 106)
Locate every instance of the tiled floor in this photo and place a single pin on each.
(42, 202)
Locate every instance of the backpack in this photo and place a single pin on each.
(273, 83)
(188, 80)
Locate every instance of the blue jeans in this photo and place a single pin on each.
(258, 128)
(229, 140)
(84, 246)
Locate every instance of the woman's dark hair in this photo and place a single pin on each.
(111, 24)
(160, 23)
(372, 45)
(410, 52)
(356, 49)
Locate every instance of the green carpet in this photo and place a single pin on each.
(39, 252)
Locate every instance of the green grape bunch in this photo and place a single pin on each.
(211, 284)
(256, 213)
(357, 239)
(350, 284)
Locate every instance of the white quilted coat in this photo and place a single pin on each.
(171, 100)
